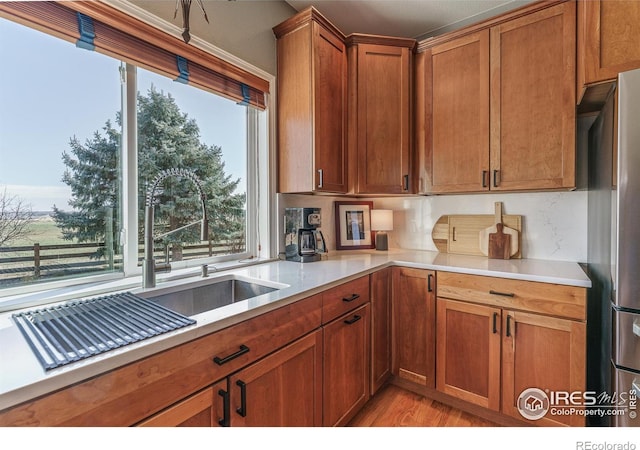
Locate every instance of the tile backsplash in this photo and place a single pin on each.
(554, 223)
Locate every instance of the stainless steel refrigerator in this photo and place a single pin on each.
(613, 357)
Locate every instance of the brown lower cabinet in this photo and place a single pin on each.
(380, 328)
(544, 352)
(414, 323)
(486, 353)
(200, 410)
(280, 390)
(346, 366)
(312, 363)
(468, 354)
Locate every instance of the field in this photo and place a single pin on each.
(56, 257)
(43, 230)
(65, 258)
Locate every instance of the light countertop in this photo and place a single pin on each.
(22, 378)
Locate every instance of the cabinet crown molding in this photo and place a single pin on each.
(303, 18)
(359, 38)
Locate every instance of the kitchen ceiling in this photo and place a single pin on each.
(406, 18)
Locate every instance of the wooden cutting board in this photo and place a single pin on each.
(459, 233)
(499, 246)
(487, 232)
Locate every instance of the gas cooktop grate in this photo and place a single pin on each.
(79, 329)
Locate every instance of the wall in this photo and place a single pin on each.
(554, 224)
(240, 28)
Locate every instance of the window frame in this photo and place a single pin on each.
(260, 242)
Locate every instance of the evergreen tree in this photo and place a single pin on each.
(167, 138)
(92, 174)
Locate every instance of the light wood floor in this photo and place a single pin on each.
(396, 407)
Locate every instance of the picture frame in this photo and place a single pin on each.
(353, 225)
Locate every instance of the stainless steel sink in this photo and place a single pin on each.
(197, 298)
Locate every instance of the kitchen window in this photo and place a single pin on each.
(60, 196)
(83, 134)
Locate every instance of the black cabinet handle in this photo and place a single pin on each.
(495, 323)
(504, 294)
(405, 182)
(352, 298)
(485, 175)
(224, 422)
(429, 284)
(220, 361)
(508, 326)
(243, 398)
(495, 178)
(354, 320)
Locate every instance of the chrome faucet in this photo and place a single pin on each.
(149, 265)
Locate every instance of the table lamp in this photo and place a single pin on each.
(381, 222)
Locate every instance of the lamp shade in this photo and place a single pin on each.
(381, 219)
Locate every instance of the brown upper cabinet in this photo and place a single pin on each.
(456, 120)
(496, 104)
(312, 113)
(608, 40)
(379, 124)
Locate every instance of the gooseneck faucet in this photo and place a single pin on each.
(149, 265)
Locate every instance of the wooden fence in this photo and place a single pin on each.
(45, 261)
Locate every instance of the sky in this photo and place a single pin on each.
(61, 91)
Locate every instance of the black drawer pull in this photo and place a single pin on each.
(224, 422)
(485, 174)
(429, 283)
(495, 178)
(220, 361)
(243, 398)
(508, 326)
(354, 320)
(504, 294)
(352, 298)
(495, 323)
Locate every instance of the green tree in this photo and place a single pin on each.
(167, 138)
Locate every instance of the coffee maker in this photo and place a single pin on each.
(303, 241)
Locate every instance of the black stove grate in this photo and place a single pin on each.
(79, 329)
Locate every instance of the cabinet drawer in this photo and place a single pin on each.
(129, 394)
(342, 299)
(544, 298)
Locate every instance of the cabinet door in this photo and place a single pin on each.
(468, 355)
(204, 409)
(346, 366)
(608, 39)
(380, 328)
(283, 389)
(414, 317)
(545, 353)
(330, 103)
(532, 101)
(312, 70)
(458, 151)
(383, 122)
